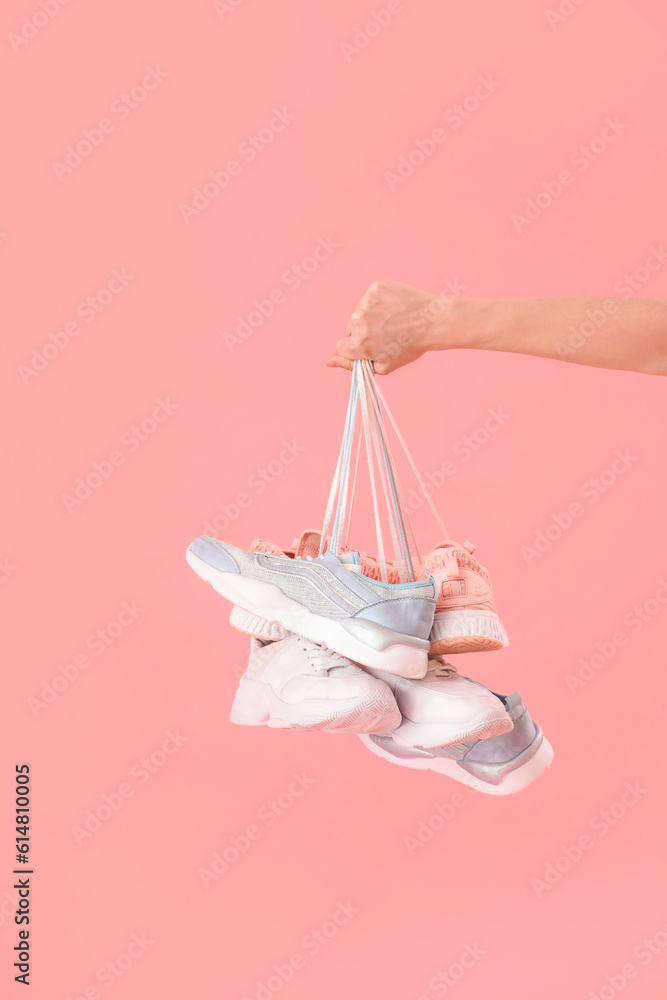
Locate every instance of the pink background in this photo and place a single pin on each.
(174, 667)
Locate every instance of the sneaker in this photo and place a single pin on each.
(466, 620)
(307, 544)
(444, 708)
(501, 765)
(297, 684)
(327, 600)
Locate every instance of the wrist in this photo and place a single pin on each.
(460, 323)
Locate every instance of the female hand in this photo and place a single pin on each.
(394, 325)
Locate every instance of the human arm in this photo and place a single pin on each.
(395, 324)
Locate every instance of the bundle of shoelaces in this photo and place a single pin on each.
(344, 641)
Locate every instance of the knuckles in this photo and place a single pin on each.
(375, 293)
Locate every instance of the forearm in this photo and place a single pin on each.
(629, 334)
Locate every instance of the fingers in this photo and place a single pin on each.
(335, 361)
(360, 341)
(382, 367)
(358, 323)
(350, 348)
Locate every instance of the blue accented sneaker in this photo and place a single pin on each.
(501, 765)
(383, 625)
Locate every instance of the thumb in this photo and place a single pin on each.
(335, 361)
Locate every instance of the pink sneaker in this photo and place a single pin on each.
(466, 620)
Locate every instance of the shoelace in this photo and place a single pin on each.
(366, 396)
(438, 668)
(381, 474)
(323, 658)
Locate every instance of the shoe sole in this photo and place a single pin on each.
(514, 781)
(438, 734)
(250, 624)
(462, 631)
(257, 704)
(265, 600)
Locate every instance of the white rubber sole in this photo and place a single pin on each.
(465, 631)
(251, 624)
(514, 781)
(452, 632)
(267, 601)
(494, 722)
(257, 704)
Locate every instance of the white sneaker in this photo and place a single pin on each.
(444, 708)
(297, 684)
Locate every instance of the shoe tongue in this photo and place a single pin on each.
(308, 543)
(444, 551)
(438, 556)
(345, 670)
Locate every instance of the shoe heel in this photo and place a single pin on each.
(249, 707)
(467, 632)
(246, 621)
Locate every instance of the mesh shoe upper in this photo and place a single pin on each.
(460, 580)
(308, 544)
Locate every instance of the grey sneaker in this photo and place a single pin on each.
(501, 765)
(383, 625)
